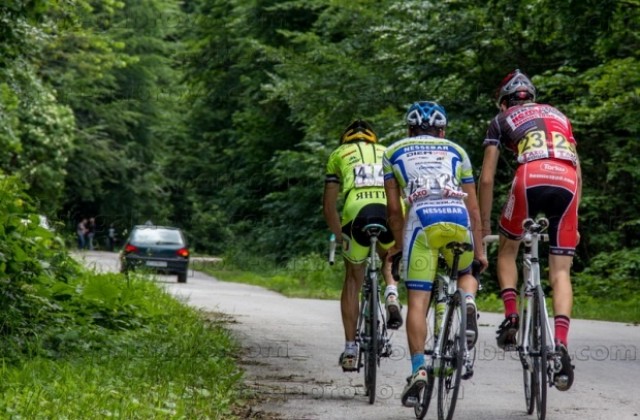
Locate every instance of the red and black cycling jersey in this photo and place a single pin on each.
(533, 131)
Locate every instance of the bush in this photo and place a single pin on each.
(34, 267)
(611, 275)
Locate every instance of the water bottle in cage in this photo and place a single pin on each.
(441, 305)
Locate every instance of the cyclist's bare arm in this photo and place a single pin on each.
(485, 187)
(476, 225)
(330, 209)
(394, 214)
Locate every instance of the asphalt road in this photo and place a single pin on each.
(292, 348)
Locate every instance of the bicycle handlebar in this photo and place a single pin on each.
(494, 238)
(372, 229)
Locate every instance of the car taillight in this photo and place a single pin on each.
(183, 252)
(130, 248)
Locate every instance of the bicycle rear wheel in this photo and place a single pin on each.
(528, 374)
(540, 361)
(452, 345)
(426, 392)
(371, 352)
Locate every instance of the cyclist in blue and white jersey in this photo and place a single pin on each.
(434, 176)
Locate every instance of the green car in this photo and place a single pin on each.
(160, 249)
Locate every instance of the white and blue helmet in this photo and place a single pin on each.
(426, 114)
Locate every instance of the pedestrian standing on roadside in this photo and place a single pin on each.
(91, 232)
(81, 232)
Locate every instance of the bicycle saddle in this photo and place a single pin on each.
(374, 229)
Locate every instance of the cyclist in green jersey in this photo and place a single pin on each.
(355, 170)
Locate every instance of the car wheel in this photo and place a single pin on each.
(182, 277)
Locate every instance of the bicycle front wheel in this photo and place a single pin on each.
(371, 354)
(539, 349)
(450, 365)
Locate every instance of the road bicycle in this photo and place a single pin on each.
(534, 341)
(449, 358)
(372, 336)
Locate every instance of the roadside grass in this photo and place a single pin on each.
(312, 277)
(131, 351)
(306, 277)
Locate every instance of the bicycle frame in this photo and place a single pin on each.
(450, 354)
(539, 360)
(369, 283)
(445, 295)
(531, 280)
(375, 342)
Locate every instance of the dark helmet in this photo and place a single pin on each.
(359, 130)
(426, 114)
(516, 88)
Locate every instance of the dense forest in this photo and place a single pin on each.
(218, 115)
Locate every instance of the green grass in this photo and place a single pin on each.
(170, 361)
(312, 277)
(307, 277)
(628, 310)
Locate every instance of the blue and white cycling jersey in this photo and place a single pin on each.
(428, 167)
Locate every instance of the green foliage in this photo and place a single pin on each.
(218, 116)
(35, 130)
(611, 275)
(324, 63)
(43, 295)
(295, 173)
(32, 264)
(100, 343)
(233, 130)
(172, 364)
(112, 63)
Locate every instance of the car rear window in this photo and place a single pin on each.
(157, 236)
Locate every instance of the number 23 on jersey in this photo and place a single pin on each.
(535, 145)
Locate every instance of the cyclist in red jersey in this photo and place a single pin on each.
(548, 180)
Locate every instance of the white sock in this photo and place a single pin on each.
(390, 290)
